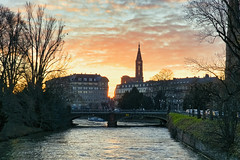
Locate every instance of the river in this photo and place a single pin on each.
(94, 141)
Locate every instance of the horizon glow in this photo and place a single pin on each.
(103, 36)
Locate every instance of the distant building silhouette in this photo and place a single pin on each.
(177, 89)
(82, 91)
(138, 70)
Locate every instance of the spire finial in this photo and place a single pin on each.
(138, 44)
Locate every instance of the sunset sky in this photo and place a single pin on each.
(103, 36)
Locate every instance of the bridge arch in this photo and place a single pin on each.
(144, 118)
(113, 117)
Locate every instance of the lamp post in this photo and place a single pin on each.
(168, 106)
(189, 110)
(178, 105)
(173, 106)
(159, 101)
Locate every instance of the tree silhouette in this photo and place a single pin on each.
(135, 100)
(12, 44)
(44, 55)
(131, 100)
(164, 74)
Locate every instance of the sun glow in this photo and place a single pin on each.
(103, 37)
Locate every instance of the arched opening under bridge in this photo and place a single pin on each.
(112, 119)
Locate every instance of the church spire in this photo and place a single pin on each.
(139, 66)
(139, 57)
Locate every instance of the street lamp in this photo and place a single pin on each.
(159, 101)
(173, 106)
(189, 110)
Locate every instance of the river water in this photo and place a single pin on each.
(94, 141)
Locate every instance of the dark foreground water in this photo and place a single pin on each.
(94, 141)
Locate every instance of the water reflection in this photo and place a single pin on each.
(98, 142)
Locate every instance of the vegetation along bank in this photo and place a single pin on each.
(202, 135)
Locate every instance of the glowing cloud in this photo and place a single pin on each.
(103, 36)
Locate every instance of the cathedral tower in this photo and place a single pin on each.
(139, 66)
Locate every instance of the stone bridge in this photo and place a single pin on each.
(113, 116)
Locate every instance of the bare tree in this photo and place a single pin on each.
(11, 42)
(164, 74)
(220, 19)
(214, 65)
(45, 36)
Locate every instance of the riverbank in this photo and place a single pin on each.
(201, 135)
(14, 130)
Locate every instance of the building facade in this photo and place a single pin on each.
(83, 91)
(127, 87)
(175, 90)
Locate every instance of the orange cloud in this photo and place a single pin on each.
(103, 36)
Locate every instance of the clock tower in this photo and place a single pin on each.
(139, 66)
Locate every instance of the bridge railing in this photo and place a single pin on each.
(118, 110)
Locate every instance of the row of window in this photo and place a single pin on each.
(174, 88)
(85, 79)
(86, 88)
(129, 89)
(84, 83)
(178, 95)
(133, 85)
(90, 92)
(181, 82)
